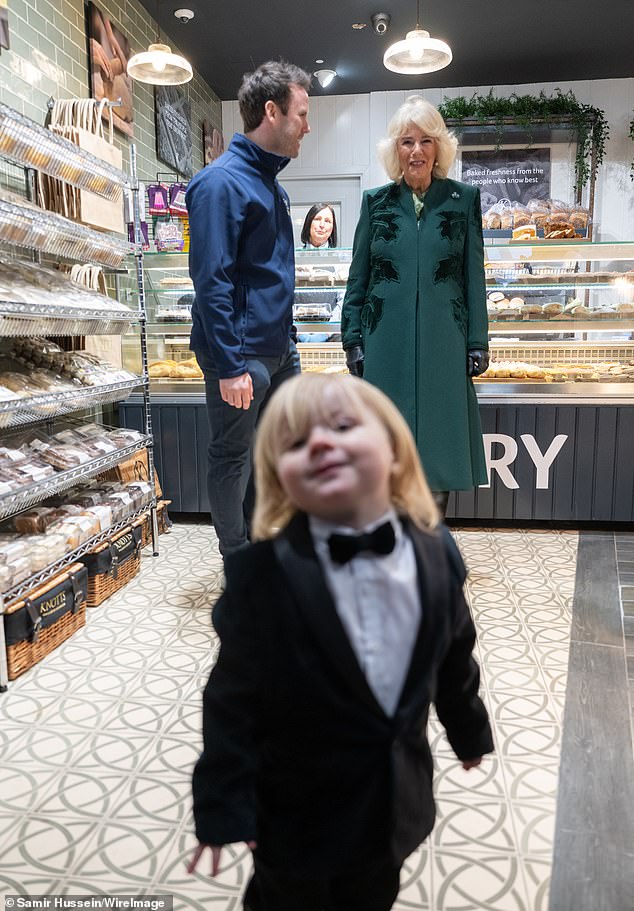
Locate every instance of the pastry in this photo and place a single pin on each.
(531, 310)
(186, 372)
(525, 231)
(553, 308)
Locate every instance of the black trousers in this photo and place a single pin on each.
(373, 888)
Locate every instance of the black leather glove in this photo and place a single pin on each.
(477, 361)
(354, 360)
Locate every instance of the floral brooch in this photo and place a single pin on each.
(455, 195)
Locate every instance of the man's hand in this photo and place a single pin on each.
(354, 360)
(216, 851)
(237, 391)
(477, 361)
(471, 763)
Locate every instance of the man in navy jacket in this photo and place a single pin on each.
(242, 264)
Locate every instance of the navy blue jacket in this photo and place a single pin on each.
(241, 259)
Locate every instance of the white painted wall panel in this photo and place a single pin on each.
(346, 129)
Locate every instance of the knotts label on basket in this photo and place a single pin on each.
(122, 542)
(53, 605)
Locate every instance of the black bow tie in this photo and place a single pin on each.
(345, 547)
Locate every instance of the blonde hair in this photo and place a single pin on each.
(293, 410)
(426, 117)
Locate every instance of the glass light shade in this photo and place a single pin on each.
(158, 66)
(417, 53)
(325, 77)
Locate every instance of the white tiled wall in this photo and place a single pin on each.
(48, 57)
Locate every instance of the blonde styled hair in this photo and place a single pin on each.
(293, 410)
(420, 113)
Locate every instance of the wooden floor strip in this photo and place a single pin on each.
(593, 863)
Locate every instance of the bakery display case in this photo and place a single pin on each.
(557, 403)
(321, 278)
(561, 321)
(52, 439)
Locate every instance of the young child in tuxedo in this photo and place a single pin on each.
(337, 630)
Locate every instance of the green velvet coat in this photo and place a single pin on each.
(416, 302)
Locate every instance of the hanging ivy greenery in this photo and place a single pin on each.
(631, 135)
(589, 123)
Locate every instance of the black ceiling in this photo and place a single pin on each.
(494, 42)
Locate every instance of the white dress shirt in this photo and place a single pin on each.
(377, 600)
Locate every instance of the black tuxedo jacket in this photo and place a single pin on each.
(298, 754)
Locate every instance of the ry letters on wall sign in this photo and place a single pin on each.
(504, 458)
(515, 174)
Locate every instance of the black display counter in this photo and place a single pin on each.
(553, 454)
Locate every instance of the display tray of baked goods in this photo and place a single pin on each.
(26, 225)
(35, 464)
(544, 280)
(521, 371)
(57, 534)
(38, 380)
(186, 369)
(502, 308)
(28, 410)
(27, 143)
(37, 300)
(321, 275)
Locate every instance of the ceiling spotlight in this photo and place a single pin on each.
(380, 22)
(325, 77)
(417, 53)
(184, 15)
(319, 61)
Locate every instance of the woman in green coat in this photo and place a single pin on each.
(414, 320)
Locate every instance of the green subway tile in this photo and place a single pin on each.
(17, 8)
(37, 22)
(46, 47)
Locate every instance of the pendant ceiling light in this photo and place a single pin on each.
(157, 65)
(417, 53)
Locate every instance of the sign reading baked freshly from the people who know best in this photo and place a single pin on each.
(515, 174)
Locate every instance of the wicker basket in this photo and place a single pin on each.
(113, 564)
(163, 521)
(133, 469)
(45, 618)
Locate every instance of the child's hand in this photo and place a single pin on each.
(471, 763)
(216, 851)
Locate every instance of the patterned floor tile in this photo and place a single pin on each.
(518, 708)
(23, 882)
(533, 779)
(416, 889)
(460, 825)
(537, 882)
(22, 789)
(132, 851)
(155, 800)
(43, 846)
(476, 881)
(81, 793)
